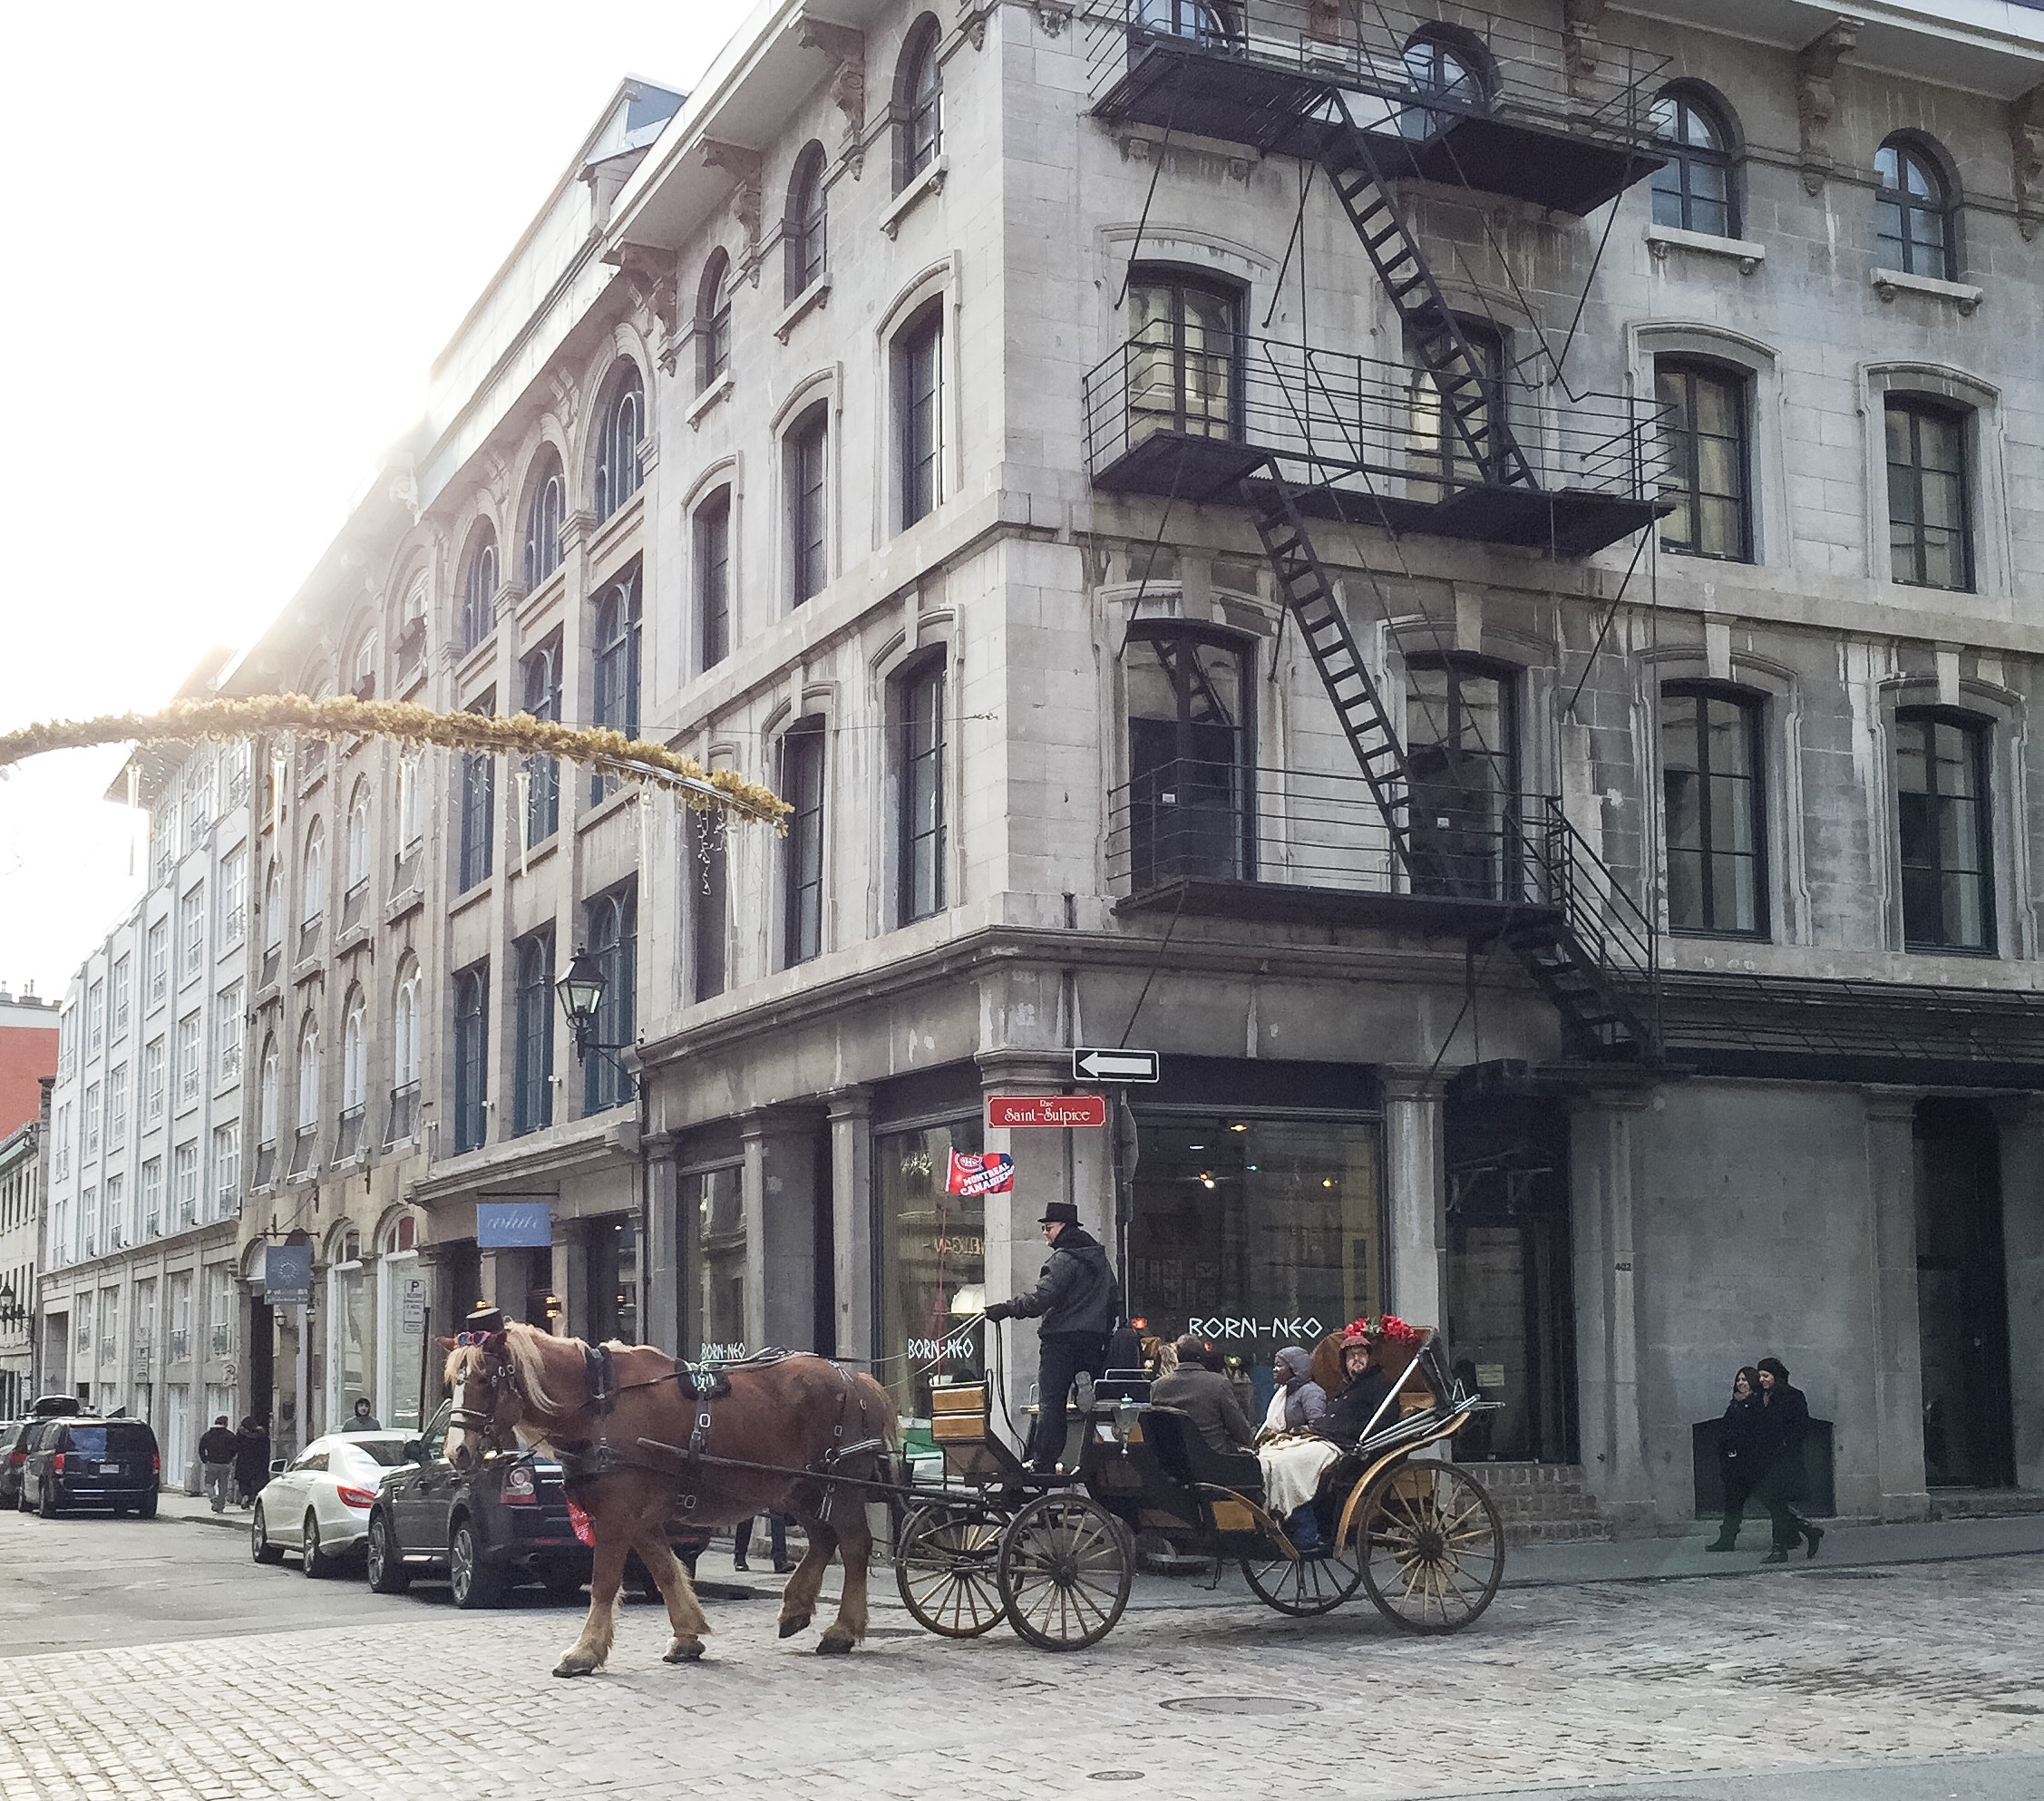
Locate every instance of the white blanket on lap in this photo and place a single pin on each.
(1292, 1468)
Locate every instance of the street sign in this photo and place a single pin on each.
(287, 1275)
(1114, 1066)
(1006, 1112)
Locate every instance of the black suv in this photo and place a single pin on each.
(112, 1464)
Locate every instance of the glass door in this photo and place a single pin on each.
(1461, 748)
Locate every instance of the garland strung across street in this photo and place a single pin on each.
(342, 717)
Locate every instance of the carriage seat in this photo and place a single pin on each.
(1185, 1455)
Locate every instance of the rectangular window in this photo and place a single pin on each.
(1707, 480)
(471, 1057)
(802, 784)
(152, 1081)
(411, 810)
(713, 578)
(540, 680)
(933, 1256)
(156, 961)
(713, 1254)
(184, 1176)
(1943, 829)
(191, 933)
(705, 884)
(92, 1120)
(1710, 787)
(152, 1198)
(532, 1021)
(478, 780)
(188, 1059)
(1930, 536)
(806, 446)
(227, 1035)
(120, 982)
(234, 896)
(226, 1169)
(116, 1207)
(920, 779)
(919, 414)
(610, 930)
(117, 1109)
(1183, 359)
(95, 1019)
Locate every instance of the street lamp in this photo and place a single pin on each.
(582, 991)
(10, 1312)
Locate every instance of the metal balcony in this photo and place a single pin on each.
(1512, 108)
(1368, 441)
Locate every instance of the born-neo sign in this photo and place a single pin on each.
(1114, 1066)
(1007, 1112)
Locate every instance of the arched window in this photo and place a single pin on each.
(354, 1076)
(272, 909)
(804, 470)
(532, 1005)
(362, 665)
(1712, 797)
(546, 500)
(713, 323)
(617, 440)
(1912, 210)
(612, 924)
(614, 655)
(1443, 64)
(411, 629)
(478, 588)
(805, 233)
(801, 885)
(308, 1073)
(918, 358)
(404, 1057)
(312, 893)
(1693, 190)
(1708, 478)
(266, 1105)
(1943, 829)
(358, 840)
(471, 1057)
(918, 105)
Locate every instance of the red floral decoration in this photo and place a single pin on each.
(1388, 1330)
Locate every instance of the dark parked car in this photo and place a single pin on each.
(79, 1462)
(14, 1441)
(502, 1522)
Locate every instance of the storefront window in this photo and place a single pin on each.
(933, 1268)
(614, 1281)
(713, 1212)
(1254, 1233)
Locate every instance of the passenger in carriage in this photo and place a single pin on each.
(1368, 1383)
(1205, 1397)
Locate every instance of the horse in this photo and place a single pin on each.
(644, 1439)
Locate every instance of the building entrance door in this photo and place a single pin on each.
(1510, 1327)
(1962, 1298)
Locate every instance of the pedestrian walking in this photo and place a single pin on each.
(251, 1459)
(1784, 1421)
(1079, 1303)
(777, 1530)
(216, 1458)
(364, 1418)
(1739, 1455)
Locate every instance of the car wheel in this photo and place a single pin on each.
(387, 1574)
(145, 1509)
(46, 1504)
(316, 1561)
(259, 1546)
(475, 1582)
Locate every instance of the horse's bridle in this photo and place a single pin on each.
(497, 1369)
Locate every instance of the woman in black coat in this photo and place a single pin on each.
(1785, 1418)
(1739, 1455)
(251, 1458)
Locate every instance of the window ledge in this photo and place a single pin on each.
(1744, 251)
(711, 396)
(536, 602)
(1963, 295)
(809, 299)
(931, 182)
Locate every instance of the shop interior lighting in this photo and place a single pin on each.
(1240, 1125)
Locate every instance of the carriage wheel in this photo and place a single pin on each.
(1067, 1565)
(1307, 1585)
(1432, 1546)
(944, 1566)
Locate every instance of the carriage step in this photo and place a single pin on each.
(1542, 1503)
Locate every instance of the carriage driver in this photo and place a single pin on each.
(1080, 1304)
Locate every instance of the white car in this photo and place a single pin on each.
(319, 1504)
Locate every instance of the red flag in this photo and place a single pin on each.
(971, 1172)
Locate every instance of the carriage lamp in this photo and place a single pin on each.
(12, 1314)
(581, 999)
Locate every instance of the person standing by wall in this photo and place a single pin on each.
(1080, 1302)
(1783, 1420)
(1739, 1455)
(216, 1458)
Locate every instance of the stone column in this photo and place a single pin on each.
(751, 1196)
(1416, 1197)
(853, 1247)
(1897, 1349)
(568, 1277)
(780, 1200)
(2022, 1251)
(1612, 1424)
(660, 1321)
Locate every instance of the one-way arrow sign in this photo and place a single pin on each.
(1114, 1065)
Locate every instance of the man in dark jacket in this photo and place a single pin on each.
(1079, 1301)
(1783, 1420)
(1368, 1383)
(1206, 1398)
(216, 1457)
(251, 1459)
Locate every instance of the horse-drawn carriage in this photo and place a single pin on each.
(1055, 1555)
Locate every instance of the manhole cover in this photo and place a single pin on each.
(1241, 1704)
(1115, 1776)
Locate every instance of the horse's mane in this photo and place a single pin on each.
(522, 1345)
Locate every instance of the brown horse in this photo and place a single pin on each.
(648, 1449)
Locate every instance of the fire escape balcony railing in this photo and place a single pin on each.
(1369, 441)
(1446, 91)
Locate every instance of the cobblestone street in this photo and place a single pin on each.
(1800, 1670)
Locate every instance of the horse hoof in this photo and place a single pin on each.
(834, 1642)
(793, 1623)
(684, 1650)
(575, 1666)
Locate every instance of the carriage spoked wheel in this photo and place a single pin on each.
(1431, 1545)
(944, 1565)
(1067, 1565)
(1307, 1585)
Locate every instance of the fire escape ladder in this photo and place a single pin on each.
(1468, 390)
(1308, 594)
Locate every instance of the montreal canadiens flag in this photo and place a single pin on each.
(993, 1173)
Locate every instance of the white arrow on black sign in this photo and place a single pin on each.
(1114, 1066)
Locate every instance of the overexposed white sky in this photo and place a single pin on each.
(237, 235)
